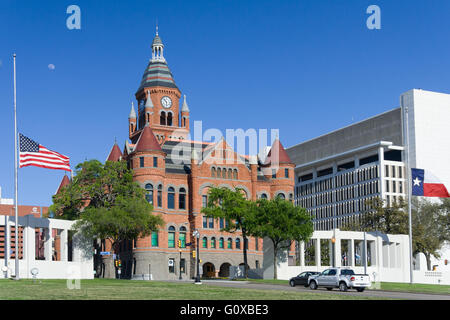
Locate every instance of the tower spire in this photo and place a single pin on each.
(157, 48)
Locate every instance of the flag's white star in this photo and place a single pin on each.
(417, 181)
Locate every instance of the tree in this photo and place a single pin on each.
(106, 203)
(281, 222)
(431, 227)
(236, 210)
(392, 219)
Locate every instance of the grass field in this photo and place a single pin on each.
(387, 286)
(109, 289)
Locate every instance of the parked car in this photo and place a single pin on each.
(302, 278)
(342, 278)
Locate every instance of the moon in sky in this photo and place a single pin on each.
(51, 66)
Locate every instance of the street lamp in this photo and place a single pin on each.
(196, 234)
(180, 266)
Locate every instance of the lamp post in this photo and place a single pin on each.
(180, 267)
(196, 234)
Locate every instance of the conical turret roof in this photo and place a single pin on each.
(147, 141)
(115, 154)
(277, 154)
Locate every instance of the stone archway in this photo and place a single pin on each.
(209, 271)
(224, 270)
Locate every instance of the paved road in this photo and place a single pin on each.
(371, 293)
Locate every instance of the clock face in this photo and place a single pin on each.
(166, 102)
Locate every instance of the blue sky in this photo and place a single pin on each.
(303, 67)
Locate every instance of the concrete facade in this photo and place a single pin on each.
(328, 168)
(63, 256)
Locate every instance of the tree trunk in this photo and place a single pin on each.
(275, 252)
(245, 256)
(428, 257)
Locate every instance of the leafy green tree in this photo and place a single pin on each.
(281, 222)
(106, 203)
(392, 219)
(237, 212)
(430, 227)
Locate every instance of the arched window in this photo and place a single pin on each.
(184, 121)
(229, 243)
(219, 172)
(148, 117)
(291, 197)
(235, 174)
(171, 237)
(159, 197)
(263, 196)
(224, 173)
(230, 174)
(162, 118)
(281, 196)
(238, 243)
(213, 242)
(221, 243)
(182, 236)
(171, 198)
(182, 199)
(213, 172)
(205, 242)
(154, 238)
(149, 193)
(169, 118)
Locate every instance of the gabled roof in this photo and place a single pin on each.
(115, 154)
(147, 141)
(277, 154)
(221, 145)
(64, 182)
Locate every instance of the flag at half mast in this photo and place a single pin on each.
(33, 154)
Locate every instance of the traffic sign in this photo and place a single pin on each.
(188, 244)
(105, 253)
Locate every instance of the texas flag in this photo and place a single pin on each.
(424, 184)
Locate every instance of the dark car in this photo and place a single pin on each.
(302, 279)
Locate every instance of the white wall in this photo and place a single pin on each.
(429, 114)
(81, 266)
(397, 259)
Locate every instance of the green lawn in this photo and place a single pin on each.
(387, 286)
(146, 290)
(423, 288)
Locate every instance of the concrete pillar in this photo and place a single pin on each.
(337, 250)
(318, 260)
(351, 260)
(48, 244)
(64, 245)
(30, 240)
(8, 245)
(302, 254)
(382, 172)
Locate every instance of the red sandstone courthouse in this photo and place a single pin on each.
(177, 174)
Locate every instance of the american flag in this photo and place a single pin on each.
(33, 154)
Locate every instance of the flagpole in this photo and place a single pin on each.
(16, 251)
(409, 188)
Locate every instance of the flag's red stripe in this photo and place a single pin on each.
(48, 167)
(37, 157)
(56, 165)
(43, 149)
(45, 162)
(435, 190)
(26, 156)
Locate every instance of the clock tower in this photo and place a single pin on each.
(158, 100)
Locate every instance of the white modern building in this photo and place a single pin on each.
(58, 254)
(337, 172)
